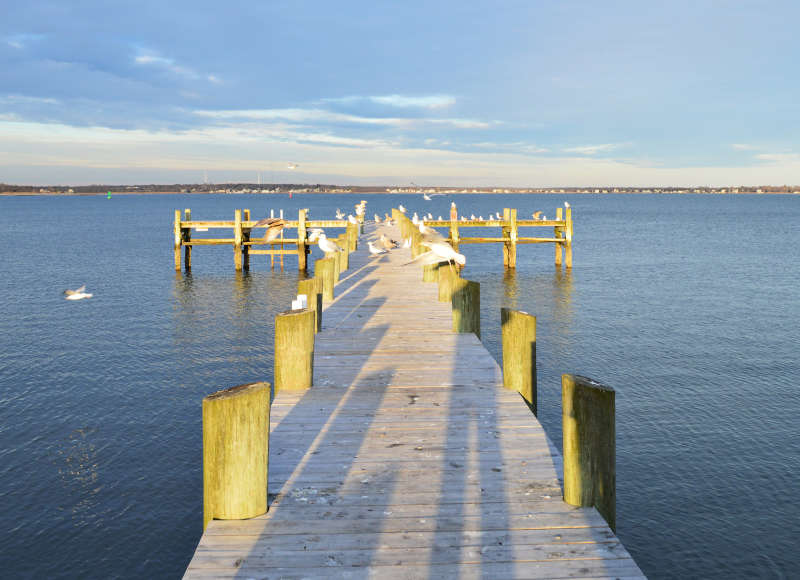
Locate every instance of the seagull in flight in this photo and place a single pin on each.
(274, 227)
(78, 294)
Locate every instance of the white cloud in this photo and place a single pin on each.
(591, 149)
(298, 116)
(399, 101)
(779, 157)
(743, 147)
(24, 99)
(149, 58)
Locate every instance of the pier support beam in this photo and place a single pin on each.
(558, 233)
(237, 240)
(312, 288)
(568, 235)
(235, 452)
(466, 303)
(294, 350)
(448, 277)
(325, 269)
(302, 247)
(245, 239)
(187, 237)
(510, 232)
(589, 445)
(178, 240)
(519, 354)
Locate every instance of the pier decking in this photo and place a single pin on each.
(407, 458)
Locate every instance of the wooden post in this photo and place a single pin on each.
(178, 240)
(312, 287)
(246, 238)
(237, 240)
(589, 445)
(519, 354)
(448, 276)
(294, 350)
(557, 233)
(568, 244)
(512, 233)
(352, 237)
(344, 257)
(235, 452)
(302, 262)
(430, 272)
(454, 227)
(324, 269)
(466, 304)
(416, 242)
(186, 236)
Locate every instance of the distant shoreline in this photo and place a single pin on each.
(113, 193)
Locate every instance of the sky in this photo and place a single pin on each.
(503, 93)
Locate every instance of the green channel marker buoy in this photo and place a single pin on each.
(109, 195)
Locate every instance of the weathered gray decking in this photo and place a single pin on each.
(407, 459)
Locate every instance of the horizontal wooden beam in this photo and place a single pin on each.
(208, 242)
(272, 252)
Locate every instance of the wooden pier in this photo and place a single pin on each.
(245, 243)
(407, 458)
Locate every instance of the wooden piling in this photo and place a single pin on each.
(237, 240)
(187, 237)
(246, 238)
(344, 257)
(178, 240)
(302, 248)
(509, 237)
(294, 349)
(312, 288)
(519, 354)
(558, 232)
(235, 452)
(324, 270)
(352, 237)
(448, 276)
(568, 244)
(589, 445)
(430, 272)
(466, 303)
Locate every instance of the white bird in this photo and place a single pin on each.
(401, 208)
(274, 227)
(377, 219)
(472, 216)
(430, 216)
(566, 204)
(415, 219)
(78, 294)
(439, 252)
(429, 233)
(327, 245)
(387, 243)
(491, 217)
(375, 251)
(292, 166)
(351, 219)
(537, 214)
(426, 197)
(339, 214)
(440, 218)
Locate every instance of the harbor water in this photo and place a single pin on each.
(686, 304)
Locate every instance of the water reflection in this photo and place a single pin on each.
(563, 288)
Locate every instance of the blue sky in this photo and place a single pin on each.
(507, 93)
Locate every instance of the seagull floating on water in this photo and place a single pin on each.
(78, 294)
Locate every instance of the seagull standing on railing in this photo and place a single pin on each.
(537, 214)
(377, 219)
(401, 208)
(327, 246)
(339, 214)
(566, 204)
(352, 220)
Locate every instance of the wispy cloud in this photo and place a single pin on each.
(21, 41)
(591, 149)
(399, 101)
(150, 58)
(743, 147)
(26, 100)
(779, 157)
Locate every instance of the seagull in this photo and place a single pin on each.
(327, 245)
(430, 216)
(377, 219)
(351, 219)
(78, 294)
(426, 197)
(387, 243)
(472, 216)
(536, 215)
(415, 219)
(401, 208)
(339, 214)
(429, 233)
(375, 251)
(292, 166)
(440, 219)
(439, 252)
(566, 204)
(274, 227)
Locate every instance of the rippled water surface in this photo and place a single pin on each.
(687, 305)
